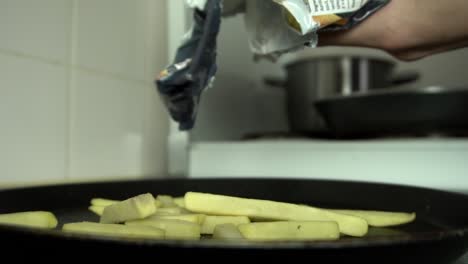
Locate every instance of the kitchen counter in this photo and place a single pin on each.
(432, 163)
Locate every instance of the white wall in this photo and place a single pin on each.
(238, 103)
(77, 99)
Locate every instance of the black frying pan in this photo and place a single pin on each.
(440, 234)
(397, 112)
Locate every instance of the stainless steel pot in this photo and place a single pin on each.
(310, 80)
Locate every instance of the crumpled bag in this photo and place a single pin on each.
(274, 27)
(181, 84)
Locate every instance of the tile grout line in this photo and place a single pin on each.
(20, 54)
(71, 87)
(72, 66)
(147, 74)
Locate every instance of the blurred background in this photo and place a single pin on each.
(78, 103)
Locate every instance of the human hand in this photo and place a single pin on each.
(409, 29)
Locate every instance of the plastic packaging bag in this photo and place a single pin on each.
(181, 84)
(275, 27)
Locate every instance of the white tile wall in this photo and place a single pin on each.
(154, 159)
(111, 36)
(156, 123)
(107, 127)
(33, 114)
(38, 28)
(76, 94)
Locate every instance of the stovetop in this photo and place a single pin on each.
(324, 135)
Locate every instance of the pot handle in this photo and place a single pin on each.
(275, 82)
(405, 78)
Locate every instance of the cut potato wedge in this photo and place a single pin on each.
(103, 202)
(171, 211)
(211, 222)
(180, 201)
(254, 208)
(115, 230)
(167, 201)
(157, 204)
(98, 210)
(174, 229)
(380, 218)
(290, 230)
(34, 219)
(192, 218)
(98, 205)
(227, 232)
(138, 207)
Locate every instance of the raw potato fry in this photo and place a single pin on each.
(171, 211)
(254, 208)
(98, 210)
(227, 232)
(180, 201)
(103, 202)
(381, 218)
(157, 203)
(34, 219)
(174, 229)
(211, 222)
(292, 230)
(225, 218)
(193, 218)
(138, 207)
(115, 230)
(166, 201)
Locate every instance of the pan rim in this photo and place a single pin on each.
(429, 237)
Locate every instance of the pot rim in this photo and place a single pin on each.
(297, 61)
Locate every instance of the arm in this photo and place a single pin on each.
(409, 29)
